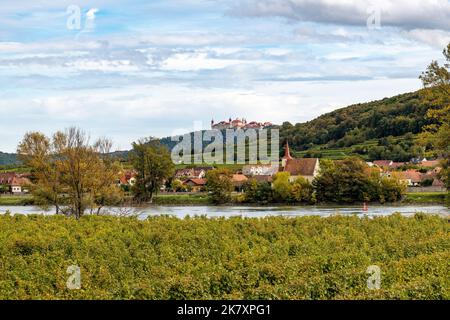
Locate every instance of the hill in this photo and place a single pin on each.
(8, 159)
(379, 129)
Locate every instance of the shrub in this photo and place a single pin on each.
(200, 258)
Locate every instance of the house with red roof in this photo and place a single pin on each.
(15, 183)
(384, 164)
(127, 178)
(195, 184)
(307, 168)
(413, 178)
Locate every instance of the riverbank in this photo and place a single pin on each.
(199, 258)
(16, 200)
(425, 197)
(194, 199)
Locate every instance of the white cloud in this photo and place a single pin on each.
(103, 65)
(406, 14)
(196, 61)
(435, 38)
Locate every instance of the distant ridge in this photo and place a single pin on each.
(8, 159)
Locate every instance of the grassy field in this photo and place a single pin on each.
(200, 258)
(344, 152)
(425, 197)
(182, 199)
(16, 200)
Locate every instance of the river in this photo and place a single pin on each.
(254, 211)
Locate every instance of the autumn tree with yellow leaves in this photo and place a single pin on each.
(70, 173)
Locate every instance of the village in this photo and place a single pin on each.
(420, 175)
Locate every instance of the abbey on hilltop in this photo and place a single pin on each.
(239, 124)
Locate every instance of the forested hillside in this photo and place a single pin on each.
(376, 122)
(7, 158)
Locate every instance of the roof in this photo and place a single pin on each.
(301, 167)
(413, 175)
(198, 182)
(430, 163)
(397, 164)
(383, 163)
(239, 178)
(260, 169)
(18, 181)
(126, 176)
(262, 178)
(192, 172)
(438, 183)
(13, 179)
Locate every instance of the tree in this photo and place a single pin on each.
(177, 186)
(302, 190)
(351, 180)
(282, 187)
(436, 80)
(219, 185)
(258, 192)
(342, 181)
(153, 165)
(70, 173)
(385, 188)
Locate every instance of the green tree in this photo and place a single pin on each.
(153, 164)
(436, 80)
(302, 190)
(282, 187)
(343, 181)
(177, 186)
(219, 185)
(258, 192)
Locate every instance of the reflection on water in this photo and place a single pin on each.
(253, 211)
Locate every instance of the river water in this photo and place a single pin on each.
(254, 211)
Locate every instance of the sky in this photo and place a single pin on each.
(137, 68)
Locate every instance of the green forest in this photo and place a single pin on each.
(384, 129)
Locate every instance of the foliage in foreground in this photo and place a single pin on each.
(200, 258)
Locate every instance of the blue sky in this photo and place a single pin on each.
(139, 68)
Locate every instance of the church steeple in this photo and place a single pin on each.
(287, 152)
(287, 155)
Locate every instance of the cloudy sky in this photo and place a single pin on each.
(128, 69)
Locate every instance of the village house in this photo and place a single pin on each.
(260, 170)
(195, 184)
(307, 168)
(413, 178)
(396, 165)
(127, 178)
(383, 164)
(238, 181)
(192, 173)
(14, 183)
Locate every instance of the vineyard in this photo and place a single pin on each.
(201, 258)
